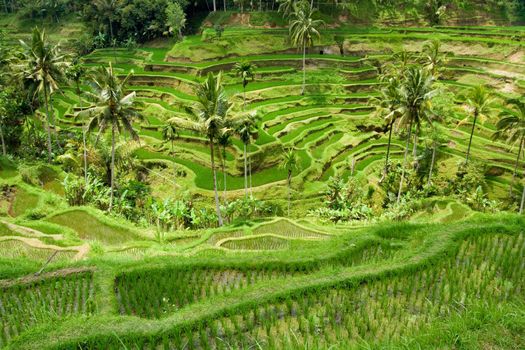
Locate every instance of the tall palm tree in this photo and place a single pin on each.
(246, 128)
(44, 66)
(479, 101)
(170, 132)
(511, 126)
(416, 92)
(210, 119)
(212, 109)
(289, 162)
(388, 108)
(303, 31)
(75, 74)
(115, 109)
(107, 9)
(432, 58)
(224, 141)
(435, 139)
(245, 70)
(4, 100)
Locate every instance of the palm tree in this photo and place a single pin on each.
(432, 57)
(435, 139)
(224, 141)
(416, 92)
(43, 65)
(479, 101)
(286, 7)
(114, 109)
(398, 63)
(246, 128)
(289, 162)
(512, 126)
(303, 31)
(107, 9)
(212, 109)
(170, 133)
(76, 73)
(388, 108)
(4, 102)
(245, 70)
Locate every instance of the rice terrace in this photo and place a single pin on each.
(272, 174)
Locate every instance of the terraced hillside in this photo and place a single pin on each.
(331, 125)
(371, 205)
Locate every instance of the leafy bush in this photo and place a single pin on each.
(345, 201)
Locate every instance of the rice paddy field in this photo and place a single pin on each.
(331, 125)
(448, 277)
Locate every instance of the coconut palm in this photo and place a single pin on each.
(107, 9)
(388, 108)
(398, 63)
(224, 141)
(43, 65)
(479, 102)
(170, 132)
(114, 109)
(245, 70)
(416, 92)
(432, 58)
(511, 126)
(75, 74)
(435, 138)
(210, 119)
(289, 162)
(303, 31)
(211, 112)
(246, 128)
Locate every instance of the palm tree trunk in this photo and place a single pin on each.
(516, 166)
(111, 30)
(2, 138)
(471, 135)
(224, 2)
(250, 172)
(214, 5)
(224, 173)
(243, 96)
(112, 168)
(432, 164)
(217, 205)
(414, 149)
(304, 69)
(388, 147)
(245, 173)
(404, 161)
(48, 126)
(522, 200)
(84, 130)
(289, 190)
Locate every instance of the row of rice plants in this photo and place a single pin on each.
(154, 293)
(265, 242)
(487, 267)
(14, 249)
(26, 304)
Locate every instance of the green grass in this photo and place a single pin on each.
(90, 227)
(23, 201)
